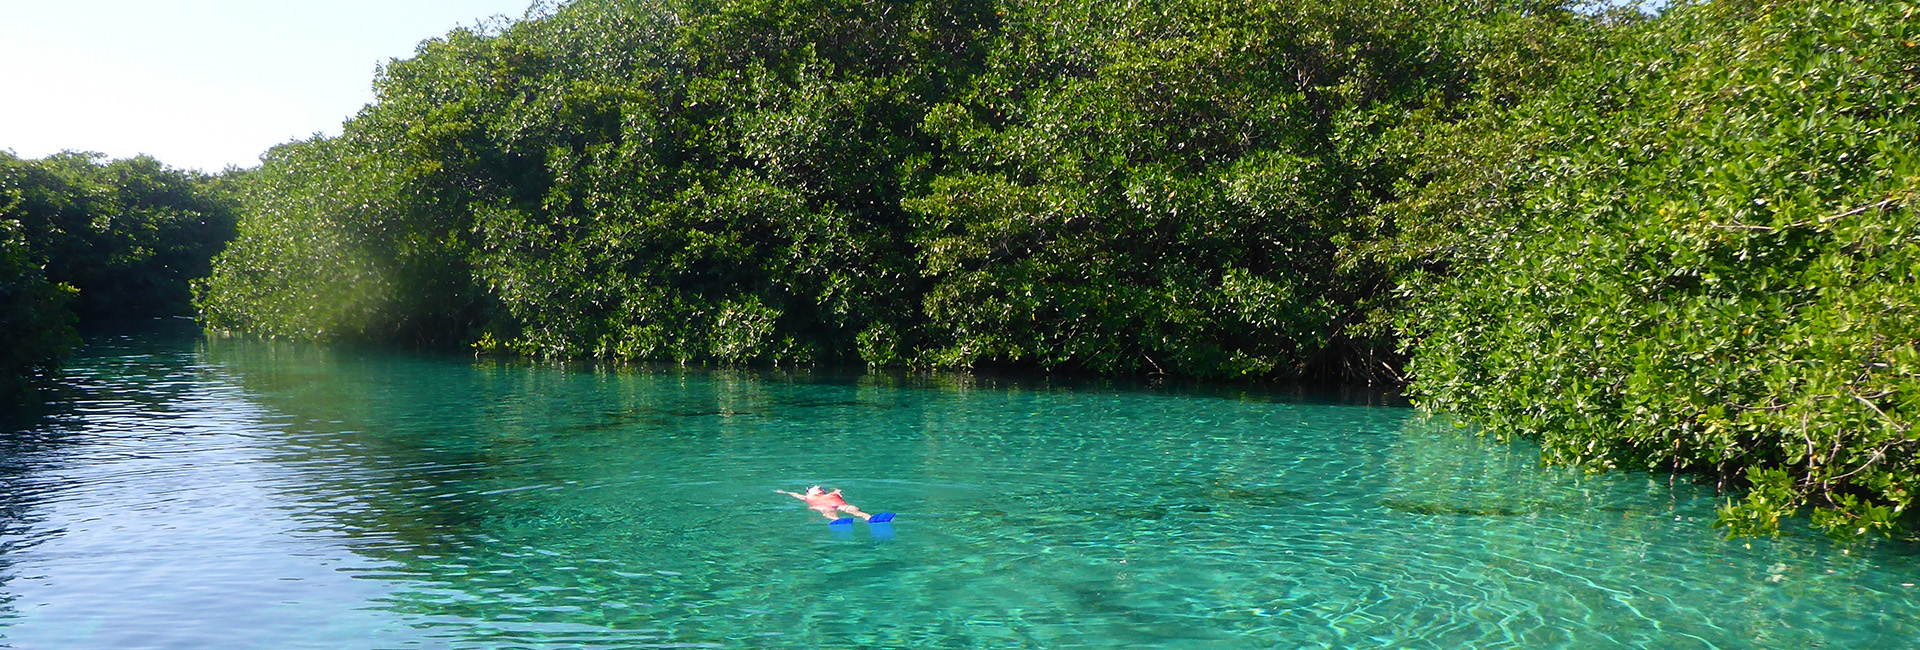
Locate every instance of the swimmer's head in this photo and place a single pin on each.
(815, 490)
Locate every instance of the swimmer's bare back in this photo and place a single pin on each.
(828, 504)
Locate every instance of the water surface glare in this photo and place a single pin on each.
(256, 495)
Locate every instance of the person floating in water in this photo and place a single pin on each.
(828, 504)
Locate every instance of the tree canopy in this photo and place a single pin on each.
(1174, 186)
(84, 239)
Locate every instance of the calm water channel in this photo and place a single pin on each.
(253, 495)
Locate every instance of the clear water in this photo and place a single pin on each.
(255, 495)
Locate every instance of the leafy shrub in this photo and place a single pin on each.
(1698, 253)
(320, 252)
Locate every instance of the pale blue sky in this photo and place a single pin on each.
(202, 83)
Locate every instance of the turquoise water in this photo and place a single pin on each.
(255, 495)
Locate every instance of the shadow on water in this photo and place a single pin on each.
(1176, 497)
(128, 366)
(1512, 508)
(987, 380)
(29, 437)
(348, 405)
(659, 417)
(1484, 510)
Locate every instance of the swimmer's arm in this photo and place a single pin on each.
(801, 497)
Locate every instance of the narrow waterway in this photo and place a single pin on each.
(239, 494)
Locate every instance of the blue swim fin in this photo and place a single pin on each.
(881, 518)
(843, 521)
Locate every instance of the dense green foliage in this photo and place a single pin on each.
(1678, 242)
(128, 234)
(1189, 187)
(98, 241)
(1159, 186)
(34, 320)
(1699, 252)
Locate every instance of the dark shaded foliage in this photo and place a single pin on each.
(128, 234)
(97, 241)
(34, 320)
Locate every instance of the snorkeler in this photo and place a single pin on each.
(827, 503)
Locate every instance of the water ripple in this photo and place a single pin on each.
(246, 494)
